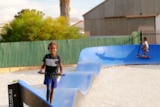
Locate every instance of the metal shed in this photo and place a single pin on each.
(122, 17)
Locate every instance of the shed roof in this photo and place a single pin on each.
(95, 7)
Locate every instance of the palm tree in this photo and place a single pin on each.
(65, 9)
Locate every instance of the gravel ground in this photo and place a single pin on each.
(118, 86)
(31, 77)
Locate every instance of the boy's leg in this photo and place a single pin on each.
(53, 85)
(145, 51)
(51, 95)
(47, 83)
(47, 93)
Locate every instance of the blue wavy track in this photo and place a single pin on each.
(89, 66)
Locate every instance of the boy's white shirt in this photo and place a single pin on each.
(51, 62)
(146, 44)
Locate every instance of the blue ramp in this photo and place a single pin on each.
(89, 64)
(63, 97)
(78, 80)
(68, 86)
(119, 55)
(31, 97)
(92, 67)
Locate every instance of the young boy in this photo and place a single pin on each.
(145, 46)
(51, 63)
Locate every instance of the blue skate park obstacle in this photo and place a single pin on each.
(76, 84)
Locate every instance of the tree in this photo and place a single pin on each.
(61, 30)
(65, 9)
(25, 26)
(29, 25)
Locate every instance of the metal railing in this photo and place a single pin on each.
(153, 36)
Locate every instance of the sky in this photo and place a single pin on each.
(9, 8)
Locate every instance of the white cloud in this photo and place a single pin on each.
(8, 8)
(77, 12)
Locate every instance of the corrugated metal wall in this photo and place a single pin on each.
(20, 54)
(121, 17)
(118, 26)
(128, 7)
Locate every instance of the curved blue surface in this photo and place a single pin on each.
(80, 81)
(92, 67)
(89, 64)
(63, 97)
(34, 92)
(119, 55)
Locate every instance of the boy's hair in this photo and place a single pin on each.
(52, 43)
(145, 38)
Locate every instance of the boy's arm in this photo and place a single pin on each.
(42, 67)
(61, 68)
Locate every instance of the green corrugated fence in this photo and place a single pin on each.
(20, 54)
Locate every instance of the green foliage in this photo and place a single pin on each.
(29, 25)
(62, 31)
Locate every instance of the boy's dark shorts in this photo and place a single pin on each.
(50, 81)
